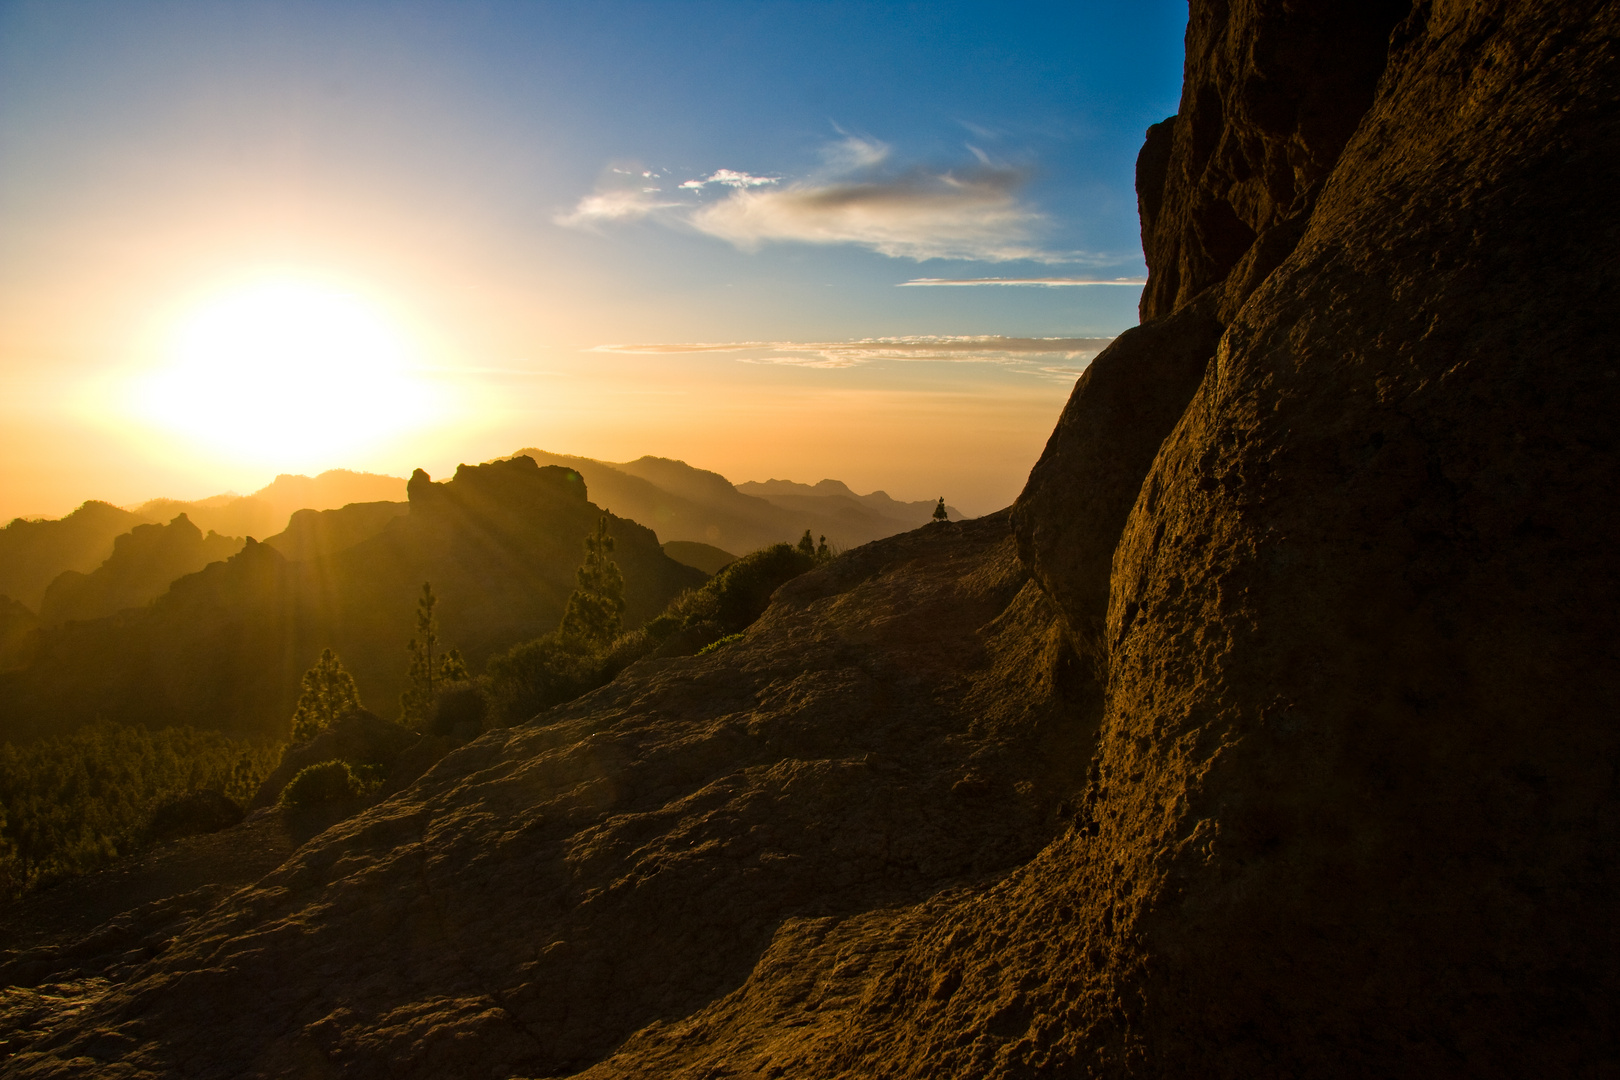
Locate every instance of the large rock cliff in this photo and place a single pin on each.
(1287, 745)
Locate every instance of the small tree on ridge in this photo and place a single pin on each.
(426, 672)
(595, 611)
(328, 693)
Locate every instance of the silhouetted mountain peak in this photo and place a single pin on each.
(513, 487)
(679, 478)
(142, 564)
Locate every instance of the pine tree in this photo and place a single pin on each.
(427, 673)
(453, 668)
(328, 693)
(595, 609)
(939, 511)
(807, 544)
(823, 552)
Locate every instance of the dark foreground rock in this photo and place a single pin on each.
(903, 721)
(1329, 788)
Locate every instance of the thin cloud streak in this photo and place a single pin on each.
(1038, 356)
(624, 204)
(730, 178)
(1051, 282)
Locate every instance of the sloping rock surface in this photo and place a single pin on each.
(899, 723)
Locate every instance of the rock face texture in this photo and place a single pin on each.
(1286, 744)
(1357, 772)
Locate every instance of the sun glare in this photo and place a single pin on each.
(286, 372)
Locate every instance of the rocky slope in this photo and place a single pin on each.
(898, 721)
(1286, 745)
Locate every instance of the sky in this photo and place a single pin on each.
(868, 241)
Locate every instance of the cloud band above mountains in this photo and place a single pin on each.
(973, 213)
(919, 216)
(1061, 357)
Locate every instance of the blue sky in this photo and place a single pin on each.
(503, 185)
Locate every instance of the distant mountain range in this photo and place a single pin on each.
(225, 647)
(143, 563)
(185, 620)
(267, 510)
(34, 553)
(680, 502)
(298, 516)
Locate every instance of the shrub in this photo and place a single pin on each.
(328, 782)
(722, 643)
(193, 814)
(535, 675)
(532, 677)
(742, 590)
(460, 710)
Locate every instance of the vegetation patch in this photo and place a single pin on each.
(536, 675)
(326, 783)
(74, 803)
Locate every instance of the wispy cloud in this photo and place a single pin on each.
(730, 178)
(1132, 282)
(616, 204)
(856, 198)
(972, 215)
(853, 153)
(1060, 357)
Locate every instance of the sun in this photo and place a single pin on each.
(286, 372)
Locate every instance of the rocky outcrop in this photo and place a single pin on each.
(1071, 512)
(143, 563)
(1271, 94)
(33, 553)
(313, 535)
(1355, 788)
(1332, 793)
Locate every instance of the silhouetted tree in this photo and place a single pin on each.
(328, 693)
(453, 668)
(595, 609)
(823, 552)
(807, 544)
(426, 672)
(939, 511)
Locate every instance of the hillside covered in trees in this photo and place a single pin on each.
(224, 648)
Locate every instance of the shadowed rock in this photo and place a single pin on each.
(1334, 796)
